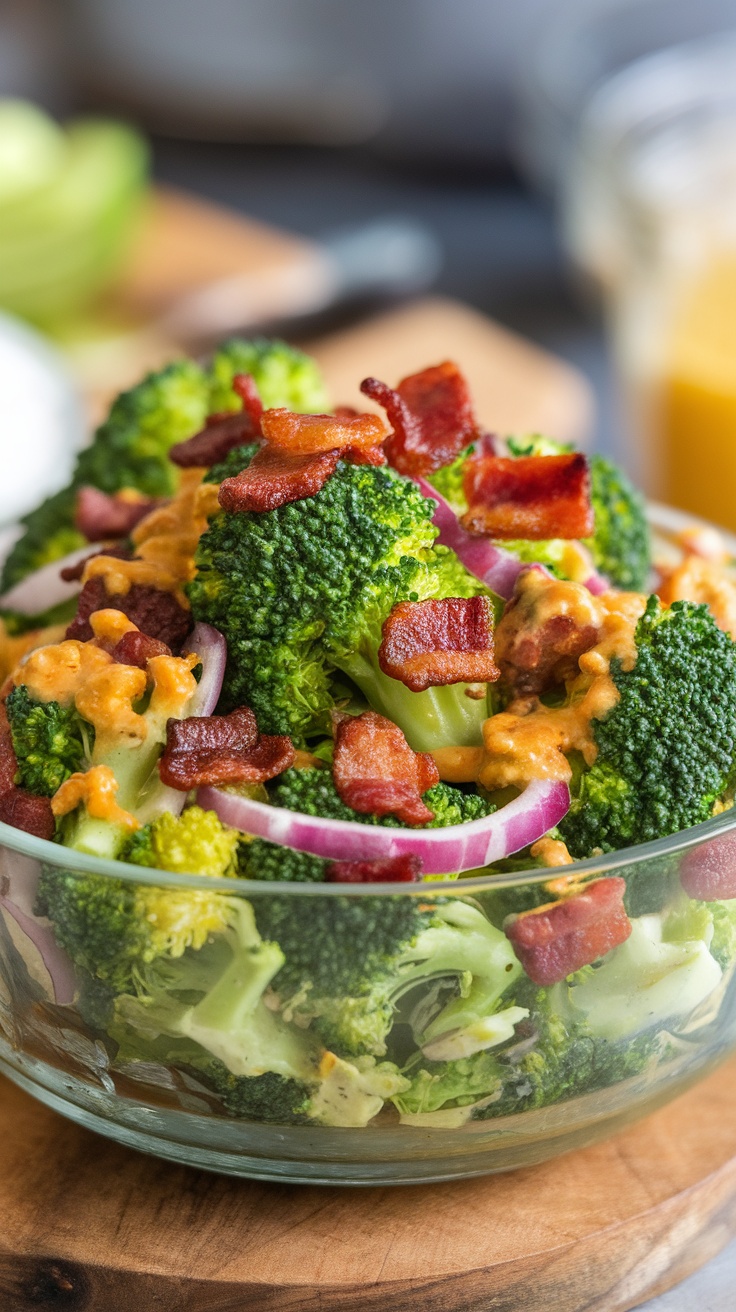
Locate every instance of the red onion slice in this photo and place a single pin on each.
(45, 587)
(211, 647)
(55, 959)
(497, 568)
(19, 878)
(442, 851)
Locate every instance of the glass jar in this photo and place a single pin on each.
(650, 218)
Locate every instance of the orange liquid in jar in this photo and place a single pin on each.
(698, 400)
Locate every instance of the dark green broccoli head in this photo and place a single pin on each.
(236, 460)
(130, 449)
(284, 375)
(339, 946)
(114, 929)
(296, 599)
(621, 545)
(50, 741)
(269, 1098)
(666, 750)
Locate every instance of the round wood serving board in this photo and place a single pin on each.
(88, 1226)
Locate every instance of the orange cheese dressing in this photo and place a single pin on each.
(701, 580)
(165, 542)
(97, 789)
(531, 741)
(14, 648)
(551, 852)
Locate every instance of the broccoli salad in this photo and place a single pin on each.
(261, 638)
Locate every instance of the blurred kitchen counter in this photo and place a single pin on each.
(500, 247)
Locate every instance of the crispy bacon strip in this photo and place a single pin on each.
(19, 808)
(274, 479)
(247, 389)
(708, 871)
(99, 517)
(154, 612)
(301, 435)
(375, 769)
(537, 650)
(220, 435)
(427, 644)
(431, 416)
(136, 648)
(393, 869)
(530, 497)
(221, 749)
(554, 941)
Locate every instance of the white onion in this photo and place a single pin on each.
(452, 850)
(45, 587)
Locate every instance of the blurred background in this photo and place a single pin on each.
(545, 191)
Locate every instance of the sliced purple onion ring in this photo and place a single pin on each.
(497, 568)
(19, 876)
(45, 587)
(453, 850)
(210, 646)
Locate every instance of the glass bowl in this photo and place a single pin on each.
(671, 983)
(562, 1067)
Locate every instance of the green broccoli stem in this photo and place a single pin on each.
(437, 717)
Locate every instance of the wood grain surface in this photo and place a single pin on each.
(88, 1226)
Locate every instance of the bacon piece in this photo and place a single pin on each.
(708, 871)
(222, 749)
(376, 771)
(25, 811)
(274, 479)
(530, 497)
(71, 573)
(537, 650)
(154, 612)
(247, 389)
(99, 516)
(19, 808)
(222, 432)
(393, 869)
(431, 416)
(427, 644)
(301, 435)
(554, 941)
(371, 456)
(136, 648)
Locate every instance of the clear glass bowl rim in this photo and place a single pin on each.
(667, 521)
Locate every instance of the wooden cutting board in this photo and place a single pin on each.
(88, 1226)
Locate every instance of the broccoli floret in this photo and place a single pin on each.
(666, 750)
(195, 842)
(235, 460)
(348, 965)
(50, 741)
(129, 449)
(313, 792)
(283, 375)
(113, 928)
(621, 544)
(314, 604)
(268, 1098)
